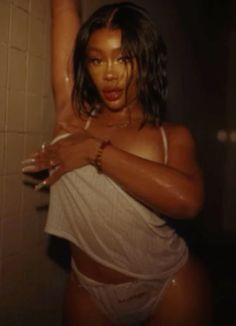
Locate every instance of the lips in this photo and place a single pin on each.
(112, 94)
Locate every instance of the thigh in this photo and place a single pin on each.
(80, 308)
(186, 300)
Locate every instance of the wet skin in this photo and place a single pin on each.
(115, 78)
(114, 73)
(184, 302)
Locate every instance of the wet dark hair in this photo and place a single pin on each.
(141, 40)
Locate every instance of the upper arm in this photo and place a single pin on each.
(182, 158)
(65, 25)
(182, 151)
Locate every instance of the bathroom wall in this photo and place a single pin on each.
(31, 284)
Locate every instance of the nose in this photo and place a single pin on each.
(110, 72)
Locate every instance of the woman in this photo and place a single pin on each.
(116, 170)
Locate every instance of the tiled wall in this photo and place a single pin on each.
(30, 283)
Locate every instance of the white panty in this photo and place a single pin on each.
(129, 303)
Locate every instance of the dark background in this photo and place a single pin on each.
(209, 28)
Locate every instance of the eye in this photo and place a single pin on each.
(124, 59)
(95, 61)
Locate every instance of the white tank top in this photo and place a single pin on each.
(117, 231)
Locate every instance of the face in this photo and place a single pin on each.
(113, 73)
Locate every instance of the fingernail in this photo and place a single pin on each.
(43, 146)
(40, 185)
(29, 168)
(28, 161)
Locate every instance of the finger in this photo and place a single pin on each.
(28, 161)
(30, 168)
(43, 146)
(38, 166)
(45, 150)
(51, 147)
(45, 158)
(40, 185)
(55, 175)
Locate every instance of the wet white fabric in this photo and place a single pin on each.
(129, 303)
(117, 231)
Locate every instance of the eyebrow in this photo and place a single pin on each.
(93, 49)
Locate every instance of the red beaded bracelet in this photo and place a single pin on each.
(98, 158)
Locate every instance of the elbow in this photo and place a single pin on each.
(191, 212)
(192, 206)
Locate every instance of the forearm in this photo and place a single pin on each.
(162, 188)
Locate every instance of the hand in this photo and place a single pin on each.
(67, 154)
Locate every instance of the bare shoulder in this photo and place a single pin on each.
(178, 134)
(182, 153)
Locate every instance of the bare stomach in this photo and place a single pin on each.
(87, 266)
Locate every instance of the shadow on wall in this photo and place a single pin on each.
(57, 248)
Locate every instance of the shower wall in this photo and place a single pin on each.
(30, 283)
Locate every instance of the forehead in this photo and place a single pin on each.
(105, 39)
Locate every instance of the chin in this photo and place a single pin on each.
(114, 107)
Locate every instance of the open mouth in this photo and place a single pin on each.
(112, 94)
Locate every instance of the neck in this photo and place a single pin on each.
(128, 113)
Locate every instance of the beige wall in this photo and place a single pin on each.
(29, 281)
(31, 285)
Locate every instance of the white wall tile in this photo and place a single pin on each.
(12, 277)
(35, 72)
(34, 113)
(12, 195)
(30, 231)
(37, 37)
(2, 151)
(47, 86)
(24, 4)
(14, 153)
(3, 65)
(31, 199)
(11, 241)
(4, 20)
(32, 144)
(19, 30)
(43, 237)
(1, 217)
(16, 111)
(17, 74)
(39, 8)
(1, 199)
(22, 236)
(0, 241)
(48, 115)
(3, 104)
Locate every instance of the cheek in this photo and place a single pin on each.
(95, 76)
